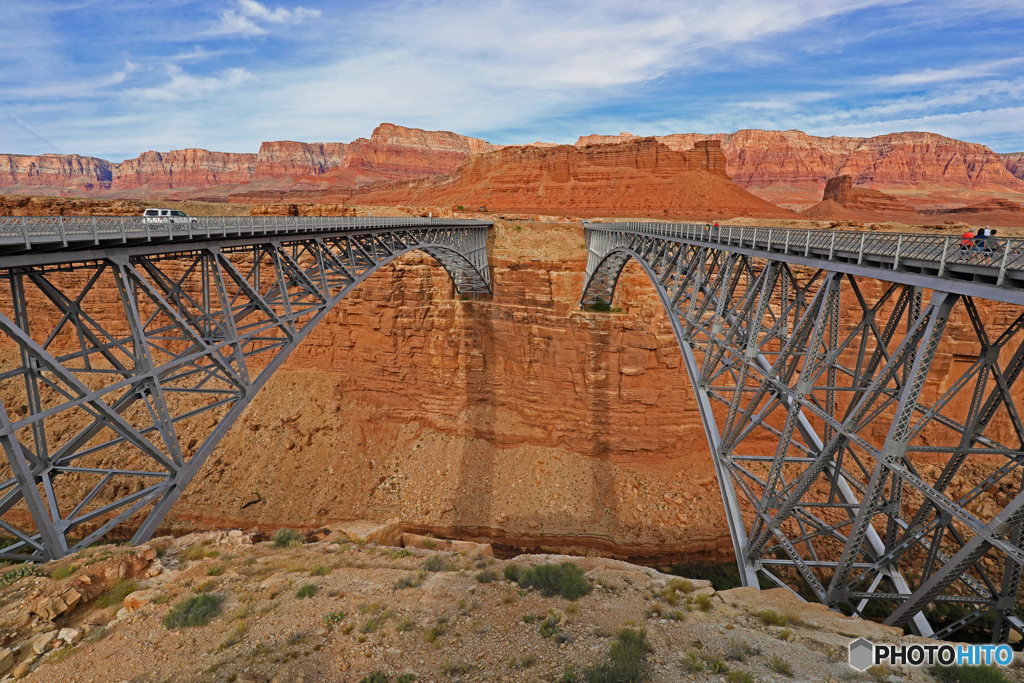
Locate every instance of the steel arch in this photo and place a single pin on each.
(136, 360)
(826, 451)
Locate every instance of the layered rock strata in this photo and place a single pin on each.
(391, 152)
(641, 177)
(1014, 163)
(792, 167)
(842, 201)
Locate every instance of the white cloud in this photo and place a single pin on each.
(182, 86)
(246, 18)
(930, 76)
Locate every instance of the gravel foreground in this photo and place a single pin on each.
(329, 611)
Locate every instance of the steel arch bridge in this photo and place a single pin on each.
(138, 345)
(860, 399)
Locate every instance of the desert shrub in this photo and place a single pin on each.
(627, 659)
(511, 571)
(377, 676)
(565, 579)
(196, 552)
(401, 552)
(550, 628)
(286, 538)
(531, 618)
(676, 615)
(405, 624)
(704, 603)
(780, 665)
(738, 649)
(332, 618)
(524, 662)
(406, 678)
(772, 618)
(487, 576)
(204, 587)
(571, 676)
(437, 563)
(695, 662)
(785, 633)
(306, 591)
(319, 570)
(715, 664)
(118, 592)
(63, 572)
(195, 611)
(20, 572)
(602, 306)
(969, 674)
(455, 668)
(411, 581)
(215, 570)
(235, 637)
(739, 676)
(879, 672)
(459, 207)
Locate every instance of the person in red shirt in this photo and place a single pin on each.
(967, 240)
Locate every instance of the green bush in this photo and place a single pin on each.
(306, 591)
(332, 618)
(565, 579)
(739, 676)
(969, 674)
(627, 655)
(195, 611)
(437, 563)
(118, 592)
(772, 618)
(215, 570)
(63, 572)
(406, 678)
(601, 306)
(780, 665)
(319, 570)
(486, 576)
(550, 628)
(377, 676)
(285, 538)
(511, 571)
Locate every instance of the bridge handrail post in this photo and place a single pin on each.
(860, 252)
(124, 238)
(832, 245)
(1002, 264)
(60, 228)
(899, 247)
(786, 248)
(189, 224)
(807, 243)
(768, 247)
(942, 259)
(730, 236)
(24, 231)
(95, 230)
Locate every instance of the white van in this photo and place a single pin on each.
(167, 216)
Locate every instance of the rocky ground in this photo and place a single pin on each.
(341, 606)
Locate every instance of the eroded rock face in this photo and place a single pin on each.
(792, 167)
(1014, 163)
(638, 177)
(391, 152)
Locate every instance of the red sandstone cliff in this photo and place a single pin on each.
(792, 167)
(842, 201)
(1014, 163)
(392, 152)
(641, 177)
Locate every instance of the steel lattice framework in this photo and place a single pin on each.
(860, 399)
(140, 344)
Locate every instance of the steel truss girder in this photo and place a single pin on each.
(135, 362)
(887, 449)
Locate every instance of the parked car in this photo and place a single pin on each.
(167, 216)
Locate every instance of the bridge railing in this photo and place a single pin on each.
(888, 250)
(28, 230)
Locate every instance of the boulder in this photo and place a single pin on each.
(810, 615)
(139, 599)
(41, 643)
(70, 635)
(468, 547)
(362, 531)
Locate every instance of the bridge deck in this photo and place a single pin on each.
(933, 261)
(34, 234)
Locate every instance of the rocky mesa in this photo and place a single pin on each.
(639, 177)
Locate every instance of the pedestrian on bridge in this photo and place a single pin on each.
(967, 241)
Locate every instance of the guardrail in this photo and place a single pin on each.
(893, 251)
(26, 231)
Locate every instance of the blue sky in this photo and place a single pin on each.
(113, 78)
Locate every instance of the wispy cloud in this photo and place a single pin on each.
(248, 18)
(911, 79)
(181, 86)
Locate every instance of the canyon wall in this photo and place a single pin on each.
(641, 177)
(1014, 163)
(792, 167)
(391, 152)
